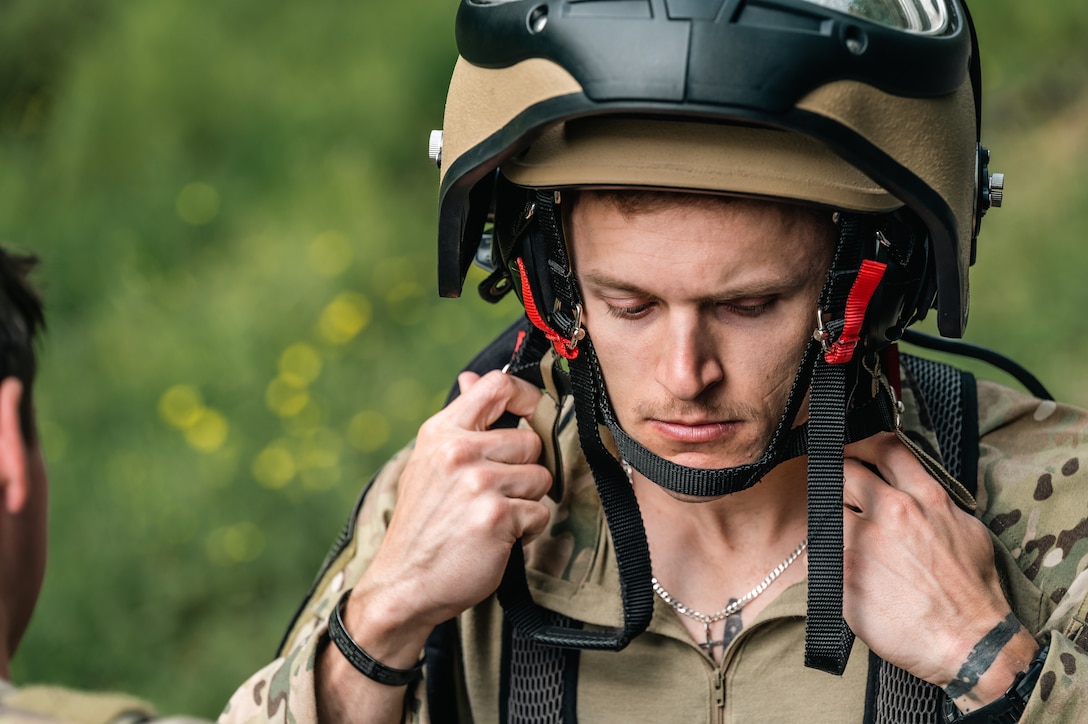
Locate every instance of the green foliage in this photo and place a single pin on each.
(236, 219)
(231, 201)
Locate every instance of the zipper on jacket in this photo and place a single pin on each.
(719, 693)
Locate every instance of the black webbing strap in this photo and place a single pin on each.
(617, 496)
(628, 538)
(786, 442)
(827, 637)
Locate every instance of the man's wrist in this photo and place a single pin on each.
(992, 663)
(360, 659)
(1007, 708)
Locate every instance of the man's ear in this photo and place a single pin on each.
(14, 480)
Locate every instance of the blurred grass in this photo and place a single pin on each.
(235, 214)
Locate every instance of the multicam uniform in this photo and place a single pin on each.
(1033, 496)
(56, 705)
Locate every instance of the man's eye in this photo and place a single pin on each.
(747, 309)
(634, 311)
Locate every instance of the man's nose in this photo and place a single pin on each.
(689, 360)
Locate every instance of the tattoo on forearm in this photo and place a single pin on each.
(982, 656)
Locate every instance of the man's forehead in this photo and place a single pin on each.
(631, 202)
(710, 245)
(593, 209)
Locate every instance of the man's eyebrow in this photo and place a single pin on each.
(796, 280)
(604, 281)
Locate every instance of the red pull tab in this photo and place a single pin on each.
(565, 347)
(857, 302)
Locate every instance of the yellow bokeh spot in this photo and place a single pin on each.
(368, 430)
(208, 433)
(345, 317)
(284, 398)
(181, 406)
(274, 466)
(238, 543)
(300, 364)
(243, 542)
(197, 204)
(330, 253)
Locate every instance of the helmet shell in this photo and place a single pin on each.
(783, 99)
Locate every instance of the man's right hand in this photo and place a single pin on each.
(467, 494)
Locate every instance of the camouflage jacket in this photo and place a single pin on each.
(1032, 494)
(56, 705)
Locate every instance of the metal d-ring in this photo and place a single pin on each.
(579, 332)
(820, 333)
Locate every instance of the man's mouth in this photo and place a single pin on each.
(694, 432)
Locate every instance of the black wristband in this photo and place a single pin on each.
(1008, 708)
(366, 664)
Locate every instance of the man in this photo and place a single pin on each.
(23, 490)
(720, 216)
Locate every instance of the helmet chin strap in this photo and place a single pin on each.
(786, 442)
(823, 368)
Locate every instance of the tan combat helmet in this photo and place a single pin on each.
(857, 105)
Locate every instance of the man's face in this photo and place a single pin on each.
(699, 310)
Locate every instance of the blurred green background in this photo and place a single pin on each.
(235, 213)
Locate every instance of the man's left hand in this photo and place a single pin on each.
(920, 585)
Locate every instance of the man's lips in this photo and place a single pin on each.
(694, 432)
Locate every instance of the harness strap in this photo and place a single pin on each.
(827, 637)
(628, 537)
(1077, 630)
(618, 500)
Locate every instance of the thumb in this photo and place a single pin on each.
(466, 380)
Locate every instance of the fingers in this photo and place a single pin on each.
(528, 482)
(883, 452)
(510, 445)
(530, 518)
(890, 460)
(889, 488)
(484, 399)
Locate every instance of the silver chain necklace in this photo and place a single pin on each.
(733, 607)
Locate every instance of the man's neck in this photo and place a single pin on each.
(706, 554)
(772, 510)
